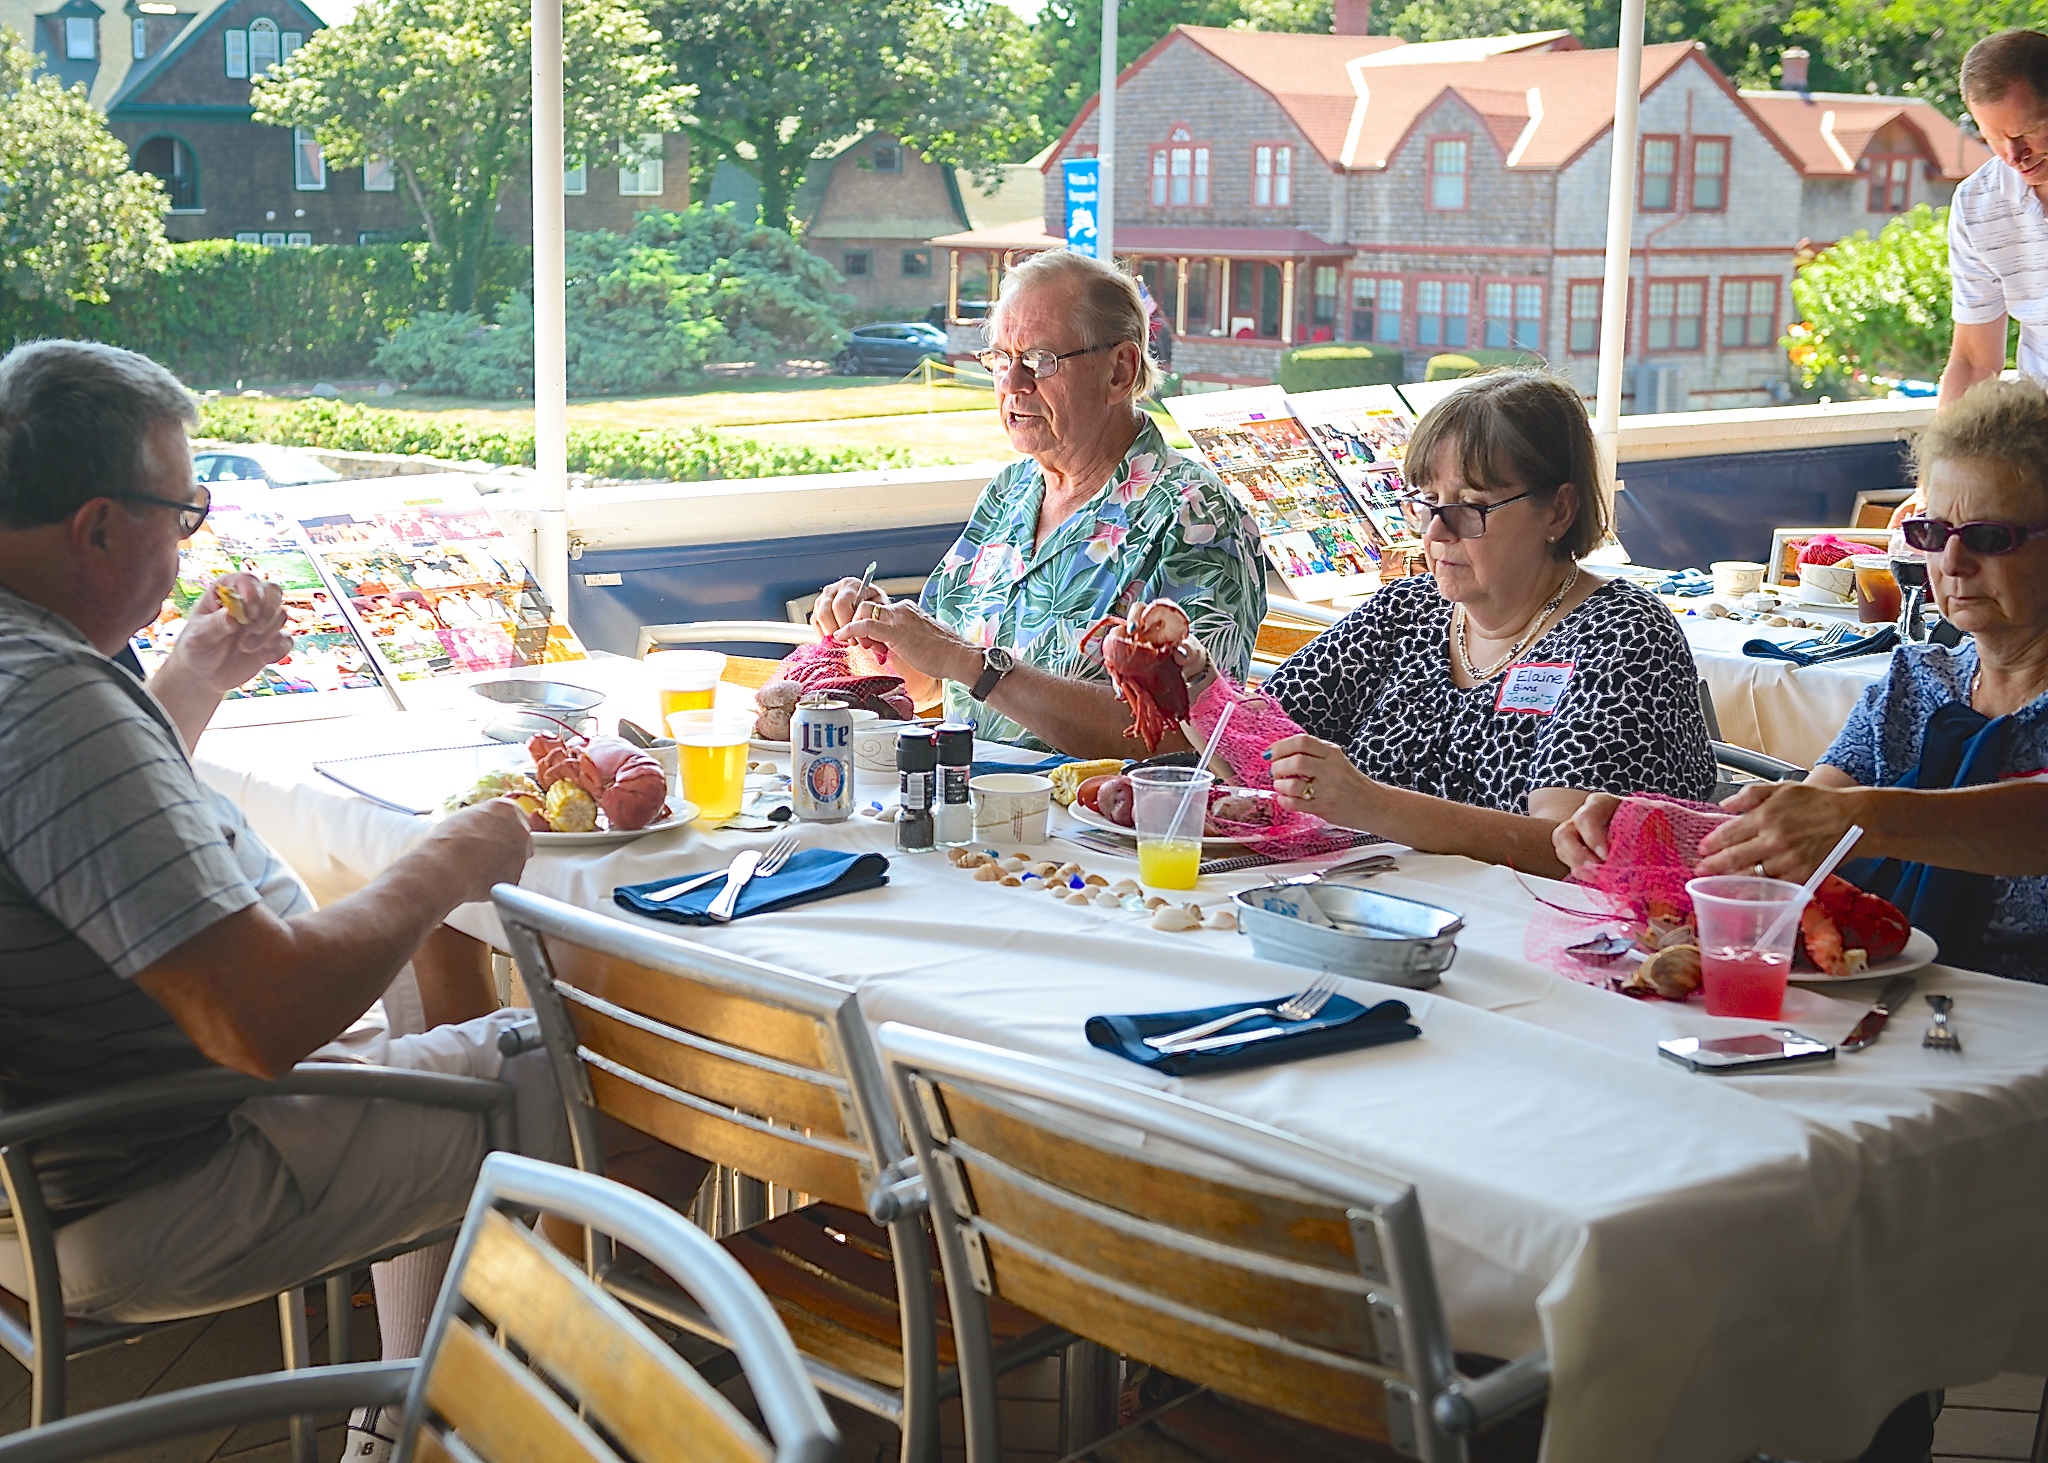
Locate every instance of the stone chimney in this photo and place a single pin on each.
(1351, 18)
(1793, 63)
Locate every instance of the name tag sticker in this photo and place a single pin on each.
(989, 561)
(1536, 687)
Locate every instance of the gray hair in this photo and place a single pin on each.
(1108, 306)
(75, 422)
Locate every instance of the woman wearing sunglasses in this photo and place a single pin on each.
(1470, 710)
(1944, 762)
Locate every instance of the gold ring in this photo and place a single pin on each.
(1308, 789)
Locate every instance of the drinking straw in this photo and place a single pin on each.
(1827, 866)
(1207, 752)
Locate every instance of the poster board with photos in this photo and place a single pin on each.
(1363, 432)
(329, 671)
(435, 587)
(1319, 543)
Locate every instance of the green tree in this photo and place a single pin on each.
(1876, 306)
(74, 221)
(781, 82)
(444, 88)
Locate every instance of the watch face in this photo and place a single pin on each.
(998, 659)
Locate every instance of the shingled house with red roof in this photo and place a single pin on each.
(1277, 188)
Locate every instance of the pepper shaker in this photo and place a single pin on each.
(917, 760)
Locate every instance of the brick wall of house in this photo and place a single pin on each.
(872, 225)
(601, 205)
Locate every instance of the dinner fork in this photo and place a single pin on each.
(727, 904)
(1940, 1036)
(1303, 1005)
(777, 855)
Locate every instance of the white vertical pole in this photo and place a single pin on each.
(550, 326)
(1105, 142)
(1621, 215)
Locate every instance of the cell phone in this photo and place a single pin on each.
(1772, 1051)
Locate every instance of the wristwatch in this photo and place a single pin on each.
(996, 663)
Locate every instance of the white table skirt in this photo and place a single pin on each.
(1717, 1265)
(1772, 706)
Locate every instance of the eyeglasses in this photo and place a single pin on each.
(1985, 536)
(1041, 363)
(1460, 520)
(190, 515)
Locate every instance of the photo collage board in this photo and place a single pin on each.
(1320, 473)
(432, 583)
(386, 582)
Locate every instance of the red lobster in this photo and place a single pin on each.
(1137, 651)
(624, 781)
(1841, 919)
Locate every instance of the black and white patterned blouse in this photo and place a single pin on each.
(1607, 700)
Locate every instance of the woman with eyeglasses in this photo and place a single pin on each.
(1099, 516)
(1944, 762)
(1473, 709)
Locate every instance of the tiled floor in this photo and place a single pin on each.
(1993, 1420)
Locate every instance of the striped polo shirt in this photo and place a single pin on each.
(1998, 259)
(112, 855)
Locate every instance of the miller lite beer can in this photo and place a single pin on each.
(821, 759)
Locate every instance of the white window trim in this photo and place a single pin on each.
(263, 26)
(138, 31)
(301, 136)
(390, 181)
(575, 177)
(646, 180)
(237, 61)
(88, 28)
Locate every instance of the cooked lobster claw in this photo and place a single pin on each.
(1137, 651)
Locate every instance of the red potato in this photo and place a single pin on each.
(1087, 793)
(1116, 800)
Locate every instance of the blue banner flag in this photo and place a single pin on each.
(1084, 186)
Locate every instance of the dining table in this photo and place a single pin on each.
(1717, 1265)
(1791, 712)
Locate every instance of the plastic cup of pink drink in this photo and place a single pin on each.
(1742, 971)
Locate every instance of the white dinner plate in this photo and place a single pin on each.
(1095, 820)
(683, 814)
(1920, 950)
(862, 721)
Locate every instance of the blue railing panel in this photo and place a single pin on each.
(1690, 511)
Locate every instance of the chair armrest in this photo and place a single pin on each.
(1756, 764)
(1471, 1404)
(219, 1404)
(218, 1084)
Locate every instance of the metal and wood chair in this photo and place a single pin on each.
(773, 1074)
(1734, 766)
(524, 1357)
(1233, 1256)
(35, 1330)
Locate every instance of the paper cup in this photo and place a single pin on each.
(1013, 806)
(1827, 583)
(1737, 577)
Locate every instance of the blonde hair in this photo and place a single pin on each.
(2002, 421)
(1107, 306)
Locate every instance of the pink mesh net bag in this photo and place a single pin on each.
(1636, 894)
(852, 671)
(1255, 724)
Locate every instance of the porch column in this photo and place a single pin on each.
(1180, 297)
(995, 275)
(1223, 303)
(1287, 302)
(952, 285)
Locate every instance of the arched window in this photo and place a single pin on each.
(172, 163)
(262, 46)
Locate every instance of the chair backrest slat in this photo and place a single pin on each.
(635, 1389)
(697, 1006)
(499, 1410)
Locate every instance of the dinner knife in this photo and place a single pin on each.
(736, 877)
(1897, 991)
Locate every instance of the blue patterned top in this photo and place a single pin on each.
(1162, 527)
(1881, 742)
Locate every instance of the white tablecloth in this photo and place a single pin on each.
(1772, 706)
(1717, 1265)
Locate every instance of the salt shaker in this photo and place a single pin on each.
(952, 818)
(917, 760)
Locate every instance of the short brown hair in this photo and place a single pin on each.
(2002, 421)
(1996, 63)
(1523, 429)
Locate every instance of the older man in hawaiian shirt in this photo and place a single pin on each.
(1099, 515)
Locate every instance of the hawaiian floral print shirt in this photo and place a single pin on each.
(1163, 527)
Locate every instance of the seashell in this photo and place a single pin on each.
(1155, 902)
(1030, 880)
(987, 873)
(1126, 886)
(1077, 897)
(1011, 881)
(1221, 919)
(1095, 879)
(1015, 863)
(1602, 949)
(957, 856)
(1068, 870)
(1776, 622)
(1715, 612)
(1175, 917)
(1044, 867)
(1106, 900)
(1672, 973)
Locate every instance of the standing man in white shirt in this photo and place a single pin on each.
(1997, 223)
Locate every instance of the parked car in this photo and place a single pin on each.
(277, 467)
(889, 350)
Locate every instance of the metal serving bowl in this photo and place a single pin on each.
(1371, 936)
(537, 706)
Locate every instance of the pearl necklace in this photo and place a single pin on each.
(1514, 651)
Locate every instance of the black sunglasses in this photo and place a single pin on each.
(1460, 520)
(1985, 536)
(190, 515)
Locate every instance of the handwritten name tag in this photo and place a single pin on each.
(994, 563)
(1536, 687)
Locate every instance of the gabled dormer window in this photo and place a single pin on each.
(1180, 171)
(887, 157)
(1447, 162)
(263, 46)
(81, 38)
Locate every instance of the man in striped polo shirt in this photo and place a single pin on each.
(1997, 225)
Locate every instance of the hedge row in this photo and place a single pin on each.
(692, 455)
(225, 311)
(1326, 367)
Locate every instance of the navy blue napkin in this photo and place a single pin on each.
(813, 874)
(1807, 652)
(1686, 583)
(1043, 765)
(1341, 1026)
